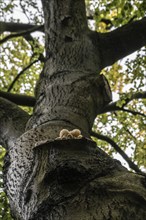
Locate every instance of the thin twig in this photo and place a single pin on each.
(19, 74)
(133, 112)
(113, 106)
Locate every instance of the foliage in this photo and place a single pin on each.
(127, 129)
(126, 77)
(110, 14)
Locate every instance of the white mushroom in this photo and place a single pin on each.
(64, 133)
(75, 133)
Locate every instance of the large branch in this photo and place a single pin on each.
(121, 42)
(30, 101)
(18, 27)
(12, 122)
(22, 33)
(18, 99)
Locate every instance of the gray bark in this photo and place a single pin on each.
(71, 179)
(56, 179)
(12, 122)
(70, 88)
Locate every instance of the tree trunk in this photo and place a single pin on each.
(69, 178)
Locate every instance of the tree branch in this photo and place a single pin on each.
(18, 27)
(113, 106)
(138, 95)
(131, 164)
(121, 42)
(25, 100)
(12, 122)
(19, 74)
(18, 99)
(133, 112)
(23, 33)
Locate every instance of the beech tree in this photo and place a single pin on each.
(53, 170)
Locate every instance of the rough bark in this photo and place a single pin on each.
(12, 122)
(70, 88)
(71, 179)
(47, 178)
